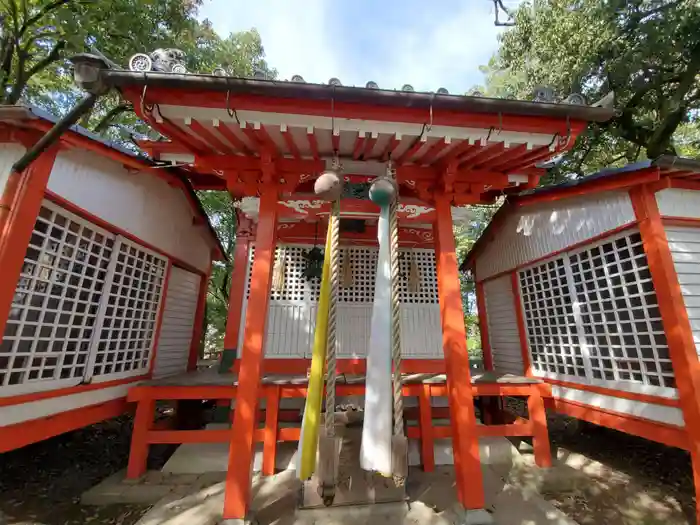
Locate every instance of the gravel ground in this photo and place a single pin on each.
(639, 482)
(41, 484)
(643, 483)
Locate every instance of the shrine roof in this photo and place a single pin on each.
(355, 94)
(30, 117)
(220, 127)
(667, 170)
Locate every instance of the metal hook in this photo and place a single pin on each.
(488, 137)
(430, 125)
(231, 113)
(333, 110)
(142, 103)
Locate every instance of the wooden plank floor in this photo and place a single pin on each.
(211, 377)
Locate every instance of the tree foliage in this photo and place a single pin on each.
(38, 36)
(646, 51)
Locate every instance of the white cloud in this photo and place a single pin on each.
(428, 46)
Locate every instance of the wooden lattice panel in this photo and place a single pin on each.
(55, 306)
(549, 318)
(593, 313)
(128, 315)
(363, 263)
(620, 313)
(427, 292)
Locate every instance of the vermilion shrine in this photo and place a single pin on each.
(268, 143)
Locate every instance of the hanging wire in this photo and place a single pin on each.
(231, 113)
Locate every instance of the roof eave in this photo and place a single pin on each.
(351, 94)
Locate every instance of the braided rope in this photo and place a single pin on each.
(334, 225)
(396, 317)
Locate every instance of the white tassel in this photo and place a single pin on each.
(375, 449)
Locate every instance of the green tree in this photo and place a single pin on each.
(221, 211)
(646, 51)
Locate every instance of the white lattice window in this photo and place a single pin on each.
(612, 333)
(296, 286)
(620, 313)
(51, 321)
(363, 264)
(424, 259)
(128, 315)
(549, 319)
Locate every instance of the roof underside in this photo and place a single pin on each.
(220, 126)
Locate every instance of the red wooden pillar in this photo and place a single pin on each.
(465, 442)
(425, 424)
(522, 330)
(272, 410)
(19, 208)
(237, 291)
(238, 477)
(674, 317)
(198, 328)
(540, 435)
(138, 453)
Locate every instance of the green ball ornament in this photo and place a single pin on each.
(382, 191)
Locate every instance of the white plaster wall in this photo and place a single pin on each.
(504, 338)
(540, 229)
(663, 414)
(679, 203)
(139, 203)
(13, 414)
(684, 244)
(9, 154)
(290, 330)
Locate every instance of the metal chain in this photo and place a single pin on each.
(395, 312)
(334, 282)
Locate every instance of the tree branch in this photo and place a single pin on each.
(105, 121)
(40, 14)
(23, 77)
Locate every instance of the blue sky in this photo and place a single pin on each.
(393, 42)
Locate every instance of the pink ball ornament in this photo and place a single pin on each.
(329, 186)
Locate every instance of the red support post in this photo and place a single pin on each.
(522, 331)
(138, 454)
(237, 292)
(465, 441)
(425, 424)
(540, 435)
(238, 477)
(674, 317)
(19, 208)
(272, 409)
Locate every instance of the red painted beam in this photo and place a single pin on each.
(369, 146)
(209, 137)
(389, 149)
(289, 141)
(359, 146)
(459, 149)
(234, 139)
(500, 158)
(313, 143)
(433, 151)
(488, 152)
(411, 151)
